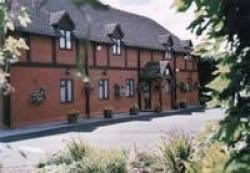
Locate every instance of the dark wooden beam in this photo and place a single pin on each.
(54, 51)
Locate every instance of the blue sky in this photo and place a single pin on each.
(161, 11)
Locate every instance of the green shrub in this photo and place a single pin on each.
(81, 158)
(175, 154)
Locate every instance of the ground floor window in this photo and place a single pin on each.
(104, 89)
(130, 88)
(66, 90)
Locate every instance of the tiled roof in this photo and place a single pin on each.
(138, 31)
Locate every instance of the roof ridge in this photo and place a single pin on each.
(145, 17)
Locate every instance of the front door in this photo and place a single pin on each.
(146, 96)
(173, 93)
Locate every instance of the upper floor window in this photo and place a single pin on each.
(116, 48)
(104, 89)
(66, 91)
(188, 56)
(130, 88)
(169, 54)
(65, 40)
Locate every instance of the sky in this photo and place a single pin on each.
(161, 11)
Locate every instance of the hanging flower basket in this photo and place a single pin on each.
(184, 87)
(117, 90)
(38, 96)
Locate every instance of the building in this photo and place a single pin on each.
(129, 60)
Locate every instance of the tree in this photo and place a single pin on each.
(223, 25)
(10, 46)
(207, 73)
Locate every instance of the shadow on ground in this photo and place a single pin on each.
(89, 127)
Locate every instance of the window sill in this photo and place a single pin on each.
(66, 103)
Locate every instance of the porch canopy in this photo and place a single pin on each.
(156, 70)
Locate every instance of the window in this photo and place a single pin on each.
(188, 57)
(116, 47)
(130, 88)
(66, 91)
(65, 40)
(168, 54)
(104, 89)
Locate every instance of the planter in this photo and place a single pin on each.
(158, 109)
(183, 105)
(133, 112)
(108, 113)
(73, 117)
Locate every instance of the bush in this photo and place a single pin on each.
(176, 153)
(81, 158)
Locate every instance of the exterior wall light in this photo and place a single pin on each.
(86, 79)
(99, 48)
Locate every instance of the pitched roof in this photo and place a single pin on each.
(138, 31)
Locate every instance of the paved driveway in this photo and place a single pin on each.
(144, 134)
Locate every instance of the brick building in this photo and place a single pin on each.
(128, 60)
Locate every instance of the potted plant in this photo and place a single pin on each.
(73, 116)
(184, 87)
(158, 109)
(134, 109)
(108, 112)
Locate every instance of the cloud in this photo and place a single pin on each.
(134, 2)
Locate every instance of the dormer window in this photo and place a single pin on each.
(116, 48)
(65, 40)
(169, 53)
(188, 56)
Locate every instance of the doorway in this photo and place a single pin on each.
(146, 96)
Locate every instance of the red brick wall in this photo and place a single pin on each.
(115, 77)
(65, 56)
(193, 96)
(41, 49)
(102, 56)
(145, 57)
(158, 55)
(180, 63)
(27, 80)
(132, 55)
(117, 60)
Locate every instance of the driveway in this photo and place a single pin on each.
(142, 134)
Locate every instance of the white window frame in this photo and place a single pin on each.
(66, 91)
(116, 48)
(168, 54)
(65, 41)
(130, 87)
(104, 89)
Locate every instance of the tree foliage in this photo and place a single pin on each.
(223, 26)
(207, 73)
(10, 46)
